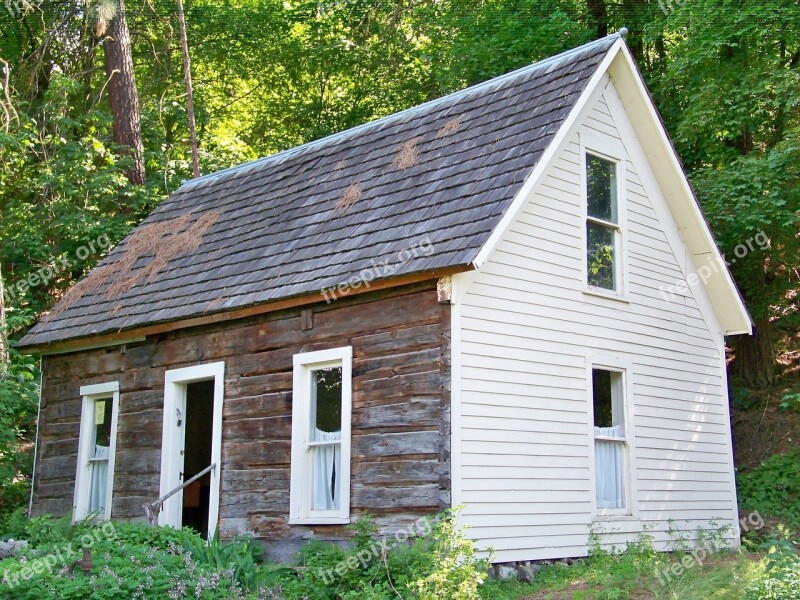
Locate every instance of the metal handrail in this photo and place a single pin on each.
(151, 509)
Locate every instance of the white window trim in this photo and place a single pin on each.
(90, 394)
(175, 381)
(611, 150)
(300, 512)
(623, 365)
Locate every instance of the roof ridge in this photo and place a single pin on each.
(341, 135)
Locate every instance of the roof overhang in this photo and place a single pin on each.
(139, 334)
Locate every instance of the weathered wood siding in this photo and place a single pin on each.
(401, 409)
(526, 327)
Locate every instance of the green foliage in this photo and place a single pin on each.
(790, 402)
(781, 577)
(773, 488)
(241, 558)
(741, 398)
(18, 402)
(637, 572)
(726, 83)
(129, 561)
(438, 563)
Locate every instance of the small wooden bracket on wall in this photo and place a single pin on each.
(306, 319)
(444, 289)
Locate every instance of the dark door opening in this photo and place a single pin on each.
(197, 454)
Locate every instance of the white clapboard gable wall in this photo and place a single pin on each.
(526, 332)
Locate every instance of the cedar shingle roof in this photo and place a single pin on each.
(437, 177)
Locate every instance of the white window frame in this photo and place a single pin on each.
(300, 511)
(90, 394)
(613, 151)
(623, 366)
(172, 440)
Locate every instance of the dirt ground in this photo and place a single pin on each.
(764, 428)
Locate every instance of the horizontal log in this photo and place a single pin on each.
(396, 389)
(397, 341)
(141, 400)
(416, 412)
(372, 498)
(134, 440)
(142, 460)
(272, 404)
(254, 385)
(395, 472)
(266, 428)
(396, 444)
(62, 411)
(242, 480)
(60, 430)
(256, 454)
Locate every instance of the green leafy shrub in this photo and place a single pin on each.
(19, 380)
(241, 558)
(790, 402)
(773, 488)
(439, 562)
(129, 560)
(781, 578)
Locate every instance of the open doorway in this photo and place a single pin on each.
(197, 454)
(192, 442)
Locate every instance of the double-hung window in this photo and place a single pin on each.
(603, 227)
(321, 414)
(610, 441)
(94, 479)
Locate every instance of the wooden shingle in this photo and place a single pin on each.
(442, 173)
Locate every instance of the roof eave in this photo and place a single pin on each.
(105, 339)
(728, 304)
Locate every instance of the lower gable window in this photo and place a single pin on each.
(610, 441)
(94, 480)
(321, 414)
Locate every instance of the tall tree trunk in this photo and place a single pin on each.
(3, 333)
(754, 358)
(599, 16)
(187, 74)
(122, 95)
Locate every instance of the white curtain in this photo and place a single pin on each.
(99, 479)
(326, 464)
(609, 466)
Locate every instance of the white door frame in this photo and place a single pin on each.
(172, 441)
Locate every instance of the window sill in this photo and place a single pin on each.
(613, 516)
(607, 294)
(320, 521)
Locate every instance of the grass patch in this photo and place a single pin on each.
(633, 575)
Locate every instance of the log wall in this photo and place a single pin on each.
(401, 411)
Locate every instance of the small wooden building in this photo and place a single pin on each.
(506, 299)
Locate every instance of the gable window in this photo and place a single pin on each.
(610, 441)
(94, 479)
(321, 414)
(603, 231)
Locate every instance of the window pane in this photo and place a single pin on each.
(326, 398)
(98, 483)
(326, 403)
(100, 452)
(607, 399)
(601, 396)
(609, 461)
(102, 422)
(601, 188)
(326, 464)
(600, 253)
